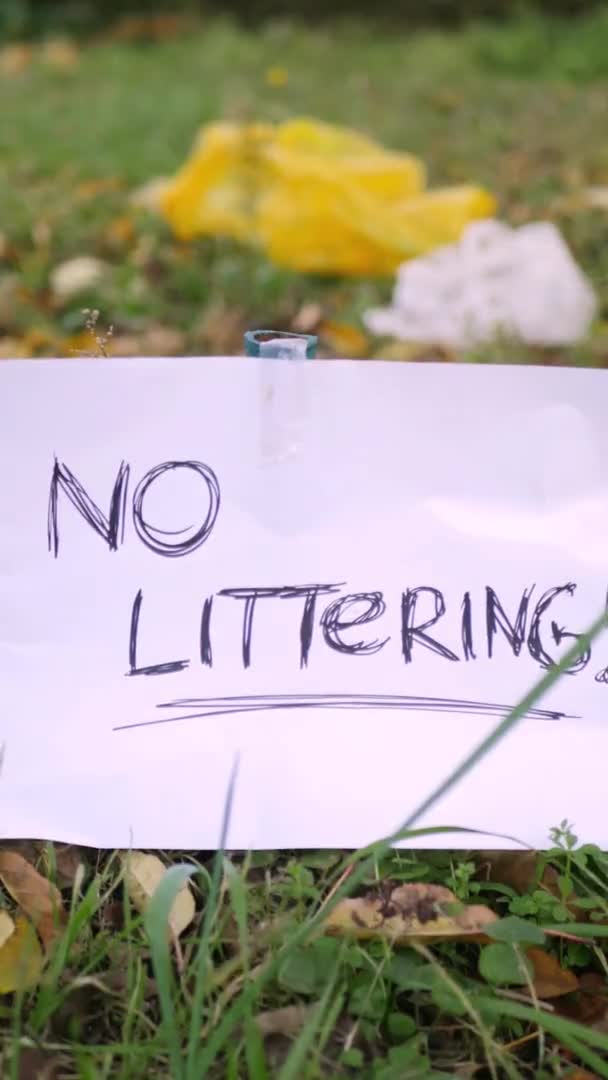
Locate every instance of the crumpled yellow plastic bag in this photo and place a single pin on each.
(316, 198)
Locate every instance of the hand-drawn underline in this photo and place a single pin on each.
(207, 707)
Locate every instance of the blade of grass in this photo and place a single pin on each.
(578, 930)
(156, 925)
(238, 898)
(81, 913)
(255, 1054)
(486, 1039)
(235, 1015)
(193, 1072)
(575, 1036)
(329, 1022)
(294, 1066)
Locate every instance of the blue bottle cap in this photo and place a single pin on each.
(273, 343)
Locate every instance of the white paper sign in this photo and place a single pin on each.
(349, 618)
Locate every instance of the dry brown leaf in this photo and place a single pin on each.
(14, 59)
(410, 914)
(287, 1021)
(34, 894)
(163, 341)
(549, 978)
(12, 349)
(590, 1005)
(149, 27)
(68, 861)
(91, 189)
(125, 345)
(143, 874)
(155, 341)
(65, 862)
(596, 197)
(221, 329)
(28, 849)
(37, 1064)
(307, 319)
(20, 958)
(61, 54)
(518, 869)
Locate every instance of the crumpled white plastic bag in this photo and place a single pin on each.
(498, 281)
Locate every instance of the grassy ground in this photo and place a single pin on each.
(522, 109)
(255, 990)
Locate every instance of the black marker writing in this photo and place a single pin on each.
(205, 637)
(535, 644)
(602, 676)
(283, 592)
(411, 632)
(110, 528)
(152, 669)
(467, 628)
(310, 593)
(171, 543)
(337, 618)
(250, 596)
(497, 619)
(206, 708)
(164, 541)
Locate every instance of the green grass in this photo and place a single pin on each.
(113, 1003)
(520, 109)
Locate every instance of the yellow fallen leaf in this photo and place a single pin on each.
(344, 339)
(143, 874)
(276, 76)
(404, 351)
(119, 233)
(37, 896)
(7, 926)
(410, 914)
(12, 349)
(20, 958)
(37, 340)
